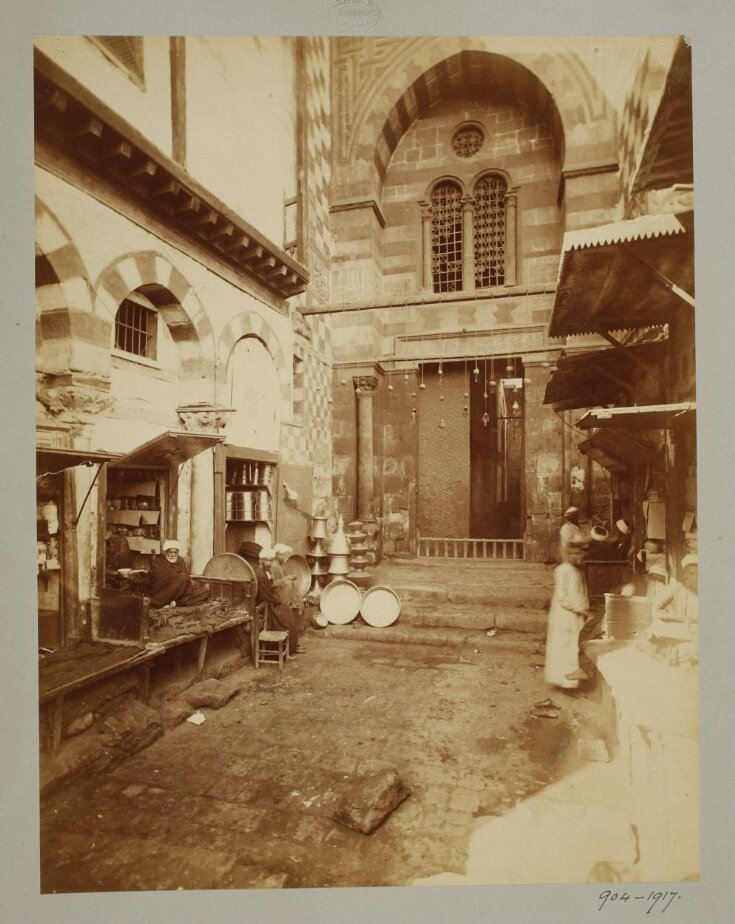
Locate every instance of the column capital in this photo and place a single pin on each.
(468, 202)
(425, 209)
(204, 417)
(365, 384)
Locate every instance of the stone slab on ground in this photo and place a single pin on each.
(130, 727)
(210, 693)
(371, 800)
(174, 712)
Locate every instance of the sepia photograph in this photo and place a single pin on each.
(366, 465)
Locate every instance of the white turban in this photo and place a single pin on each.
(171, 544)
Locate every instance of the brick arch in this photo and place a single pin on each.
(252, 325)
(61, 277)
(175, 300)
(555, 83)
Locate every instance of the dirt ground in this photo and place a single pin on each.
(245, 800)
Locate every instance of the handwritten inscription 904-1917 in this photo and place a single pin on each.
(654, 900)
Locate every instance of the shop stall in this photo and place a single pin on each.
(56, 550)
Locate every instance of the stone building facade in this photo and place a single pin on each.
(485, 131)
(173, 184)
(350, 267)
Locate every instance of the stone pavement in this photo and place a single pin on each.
(245, 800)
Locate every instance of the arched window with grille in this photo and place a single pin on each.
(446, 237)
(489, 230)
(136, 326)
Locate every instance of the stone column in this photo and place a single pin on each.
(468, 243)
(511, 236)
(365, 385)
(426, 275)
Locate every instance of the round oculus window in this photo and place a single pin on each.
(467, 140)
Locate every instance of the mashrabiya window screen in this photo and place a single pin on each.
(135, 329)
(489, 228)
(446, 237)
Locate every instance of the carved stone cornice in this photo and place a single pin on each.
(204, 418)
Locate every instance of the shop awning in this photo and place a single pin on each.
(667, 155)
(616, 451)
(600, 376)
(50, 460)
(648, 417)
(168, 449)
(619, 276)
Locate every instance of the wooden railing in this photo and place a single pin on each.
(471, 549)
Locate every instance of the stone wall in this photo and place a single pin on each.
(517, 142)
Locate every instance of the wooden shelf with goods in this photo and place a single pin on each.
(245, 491)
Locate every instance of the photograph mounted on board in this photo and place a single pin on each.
(366, 461)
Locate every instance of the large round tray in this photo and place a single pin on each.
(340, 601)
(229, 565)
(380, 607)
(299, 566)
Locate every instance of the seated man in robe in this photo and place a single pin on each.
(170, 584)
(282, 616)
(674, 627)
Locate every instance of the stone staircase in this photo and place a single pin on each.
(457, 602)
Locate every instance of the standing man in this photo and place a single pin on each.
(571, 536)
(572, 544)
(569, 608)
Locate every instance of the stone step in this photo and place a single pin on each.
(404, 634)
(473, 616)
(406, 562)
(499, 595)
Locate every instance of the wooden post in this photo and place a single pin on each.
(202, 655)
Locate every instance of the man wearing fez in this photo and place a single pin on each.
(282, 616)
(170, 584)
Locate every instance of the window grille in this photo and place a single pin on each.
(135, 329)
(489, 221)
(467, 141)
(126, 50)
(446, 237)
